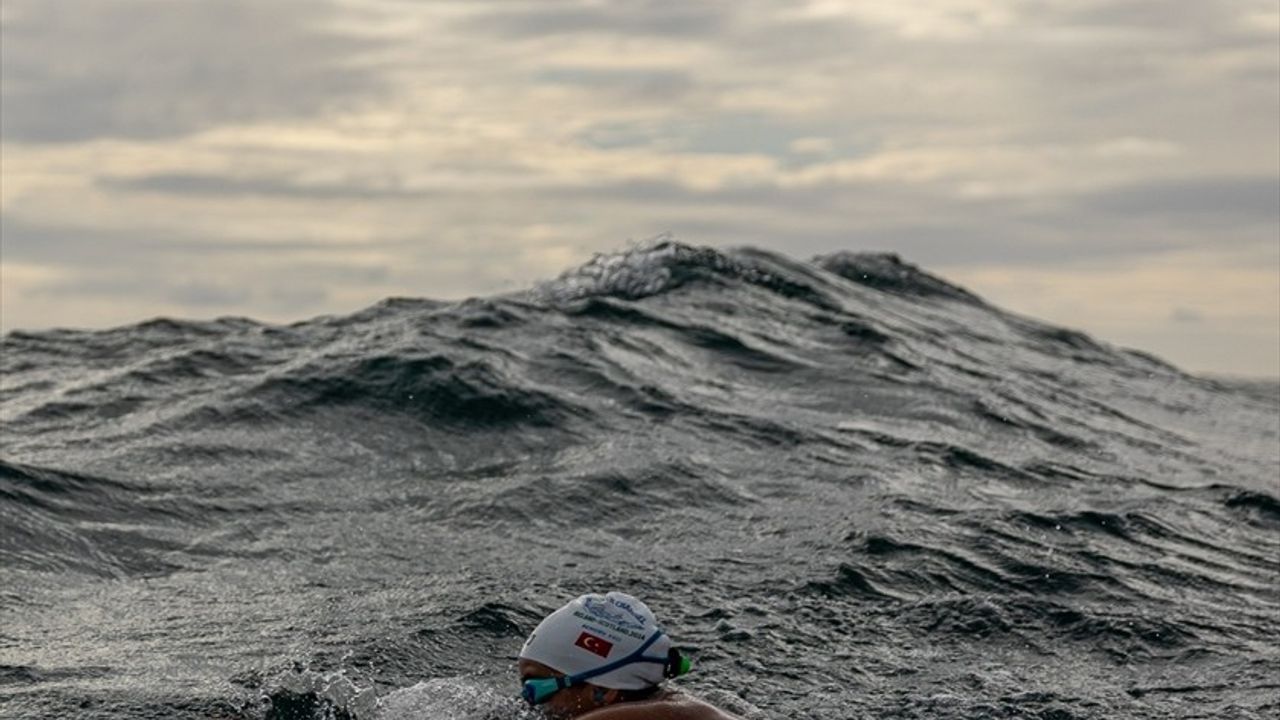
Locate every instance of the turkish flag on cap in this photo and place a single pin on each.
(590, 642)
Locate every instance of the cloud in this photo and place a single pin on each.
(1119, 223)
(634, 17)
(1185, 316)
(653, 84)
(185, 156)
(1208, 20)
(735, 133)
(71, 276)
(1151, 303)
(145, 69)
(197, 294)
(1238, 200)
(1136, 147)
(69, 246)
(151, 271)
(212, 185)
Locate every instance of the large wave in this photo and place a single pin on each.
(848, 467)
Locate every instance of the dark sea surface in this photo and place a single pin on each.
(847, 487)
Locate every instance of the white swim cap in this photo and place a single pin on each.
(596, 630)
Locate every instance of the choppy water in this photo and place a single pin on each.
(850, 489)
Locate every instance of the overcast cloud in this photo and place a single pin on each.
(1110, 166)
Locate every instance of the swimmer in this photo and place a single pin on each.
(603, 657)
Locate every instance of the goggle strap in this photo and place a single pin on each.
(637, 656)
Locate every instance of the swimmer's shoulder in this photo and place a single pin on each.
(671, 706)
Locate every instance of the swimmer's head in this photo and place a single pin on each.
(595, 651)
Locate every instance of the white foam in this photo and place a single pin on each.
(452, 699)
(637, 272)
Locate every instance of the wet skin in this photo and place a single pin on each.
(580, 702)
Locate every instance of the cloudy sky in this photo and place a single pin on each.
(1113, 166)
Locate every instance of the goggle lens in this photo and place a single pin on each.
(539, 690)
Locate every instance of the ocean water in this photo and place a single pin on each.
(849, 488)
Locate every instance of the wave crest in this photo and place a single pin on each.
(662, 265)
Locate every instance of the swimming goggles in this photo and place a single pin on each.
(539, 690)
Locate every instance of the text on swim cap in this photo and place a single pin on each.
(610, 626)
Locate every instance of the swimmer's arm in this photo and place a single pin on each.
(631, 712)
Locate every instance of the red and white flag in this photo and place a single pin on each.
(594, 644)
